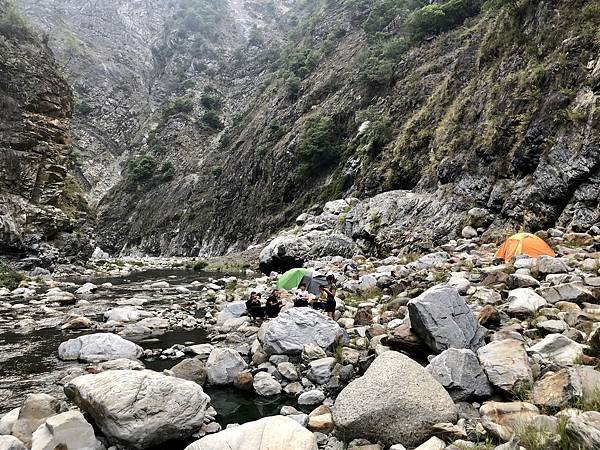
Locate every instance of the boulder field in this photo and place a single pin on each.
(441, 350)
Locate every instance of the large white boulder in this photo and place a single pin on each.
(396, 400)
(67, 430)
(276, 433)
(99, 347)
(231, 310)
(140, 408)
(223, 365)
(293, 329)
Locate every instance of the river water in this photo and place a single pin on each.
(28, 355)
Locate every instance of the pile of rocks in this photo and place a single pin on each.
(448, 349)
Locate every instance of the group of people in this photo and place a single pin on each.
(302, 298)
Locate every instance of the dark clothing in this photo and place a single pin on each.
(318, 304)
(273, 307)
(330, 303)
(255, 310)
(300, 302)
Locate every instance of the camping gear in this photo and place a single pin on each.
(292, 279)
(523, 244)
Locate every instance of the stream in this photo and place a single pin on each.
(29, 341)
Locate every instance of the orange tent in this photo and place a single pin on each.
(523, 244)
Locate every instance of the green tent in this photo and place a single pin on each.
(291, 279)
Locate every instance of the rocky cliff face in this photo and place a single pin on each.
(42, 209)
(248, 113)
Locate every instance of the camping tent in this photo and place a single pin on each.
(523, 244)
(292, 279)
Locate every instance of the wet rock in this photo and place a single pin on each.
(139, 409)
(443, 320)
(524, 301)
(265, 384)
(458, 370)
(99, 347)
(506, 364)
(65, 431)
(223, 365)
(35, 410)
(503, 419)
(244, 381)
(295, 328)
(191, 369)
(278, 432)
(312, 397)
(559, 349)
(395, 401)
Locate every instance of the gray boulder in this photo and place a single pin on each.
(278, 432)
(312, 397)
(442, 319)
(558, 349)
(524, 301)
(567, 292)
(289, 251)
(293, 329)
(223, 365)
(396, 400)
(127, 314)
(506, 364)
(99, 347)
(140, 408)
(458, 370)
(549, 265)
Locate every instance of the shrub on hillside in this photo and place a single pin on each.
(9, 279)
(13, 24)
(213, 120)
(436, 18)
(318, 148)
(142, 168)
(177, 106)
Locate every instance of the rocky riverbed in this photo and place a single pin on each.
(449, 349)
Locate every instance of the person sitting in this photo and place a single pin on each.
(254, 307)
(273, 304)
(319, 303)
(301, 296)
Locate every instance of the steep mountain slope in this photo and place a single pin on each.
(42, 210)
(262, 109)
